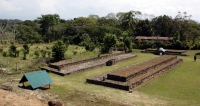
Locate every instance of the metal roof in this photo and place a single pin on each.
(153, 38)
(37, 79)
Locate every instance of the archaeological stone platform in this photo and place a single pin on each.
(67, 67)
(136, 74)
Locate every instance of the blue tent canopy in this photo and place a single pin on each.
(37, 79)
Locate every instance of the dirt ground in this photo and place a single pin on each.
(9, 98)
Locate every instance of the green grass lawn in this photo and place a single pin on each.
(178, 87)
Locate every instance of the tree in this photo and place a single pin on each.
(87, 42)
(163, 26)
(111, 16)
(26, 47)
(93, 16)
(47, 23)
(25, 51)
(143, 28)
(58, 50)
(109, 41)
(3, 26)
(104, 21)
(25, 34)
(182, 21)
(37, 54)
(30, 23)
(84, 39)
(13, 52)
(81, 22)
(194, 36)
(127, 43)
(90, 46)
(129, 20)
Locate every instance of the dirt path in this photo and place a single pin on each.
(9, 98)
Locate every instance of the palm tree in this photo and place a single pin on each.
(127, 20)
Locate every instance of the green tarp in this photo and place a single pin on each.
(37, 79)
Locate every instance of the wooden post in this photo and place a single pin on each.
(49, 86)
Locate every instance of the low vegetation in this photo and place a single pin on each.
(177, 87)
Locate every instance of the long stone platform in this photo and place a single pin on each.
(136, 74)
(69, 67)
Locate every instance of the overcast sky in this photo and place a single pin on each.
(69, 9)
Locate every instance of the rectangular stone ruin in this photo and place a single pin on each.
(70, 67)
(135, 75)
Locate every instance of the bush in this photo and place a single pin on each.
(5, 54)
(47, 48)
(49, 53)
(43, 53)
(24, 53)
(90, 46)
(12, 51)
(26, 48)
(58, 50)
(104, 50)
(37, 54)
(1, 49)
(75, 52)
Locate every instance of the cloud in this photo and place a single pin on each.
(8, 6)
(47, 6)
(68, 9)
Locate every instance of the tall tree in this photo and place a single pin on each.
(109, 41)
(47, 23)
(111, 16)
(182, 21)
(143, 28)
(30, 23)
(26, 34)
(3, 26)
(93, 16)
(129, 20)
(163, 26)
(58, 50)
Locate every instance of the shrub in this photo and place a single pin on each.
(58, 50)
(24, 53)
(1, 49)
(74, 52)
(26, 48)
(37, 54)
(90, 46)
(49, 53)
(5, 54)
(12, 50)
(43, 53)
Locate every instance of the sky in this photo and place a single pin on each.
(70, 9)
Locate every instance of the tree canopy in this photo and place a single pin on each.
(91, 30)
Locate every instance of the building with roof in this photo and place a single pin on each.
(153, 38)
(37, 79)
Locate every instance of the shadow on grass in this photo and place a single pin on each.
(197, 53)
(30, 88)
